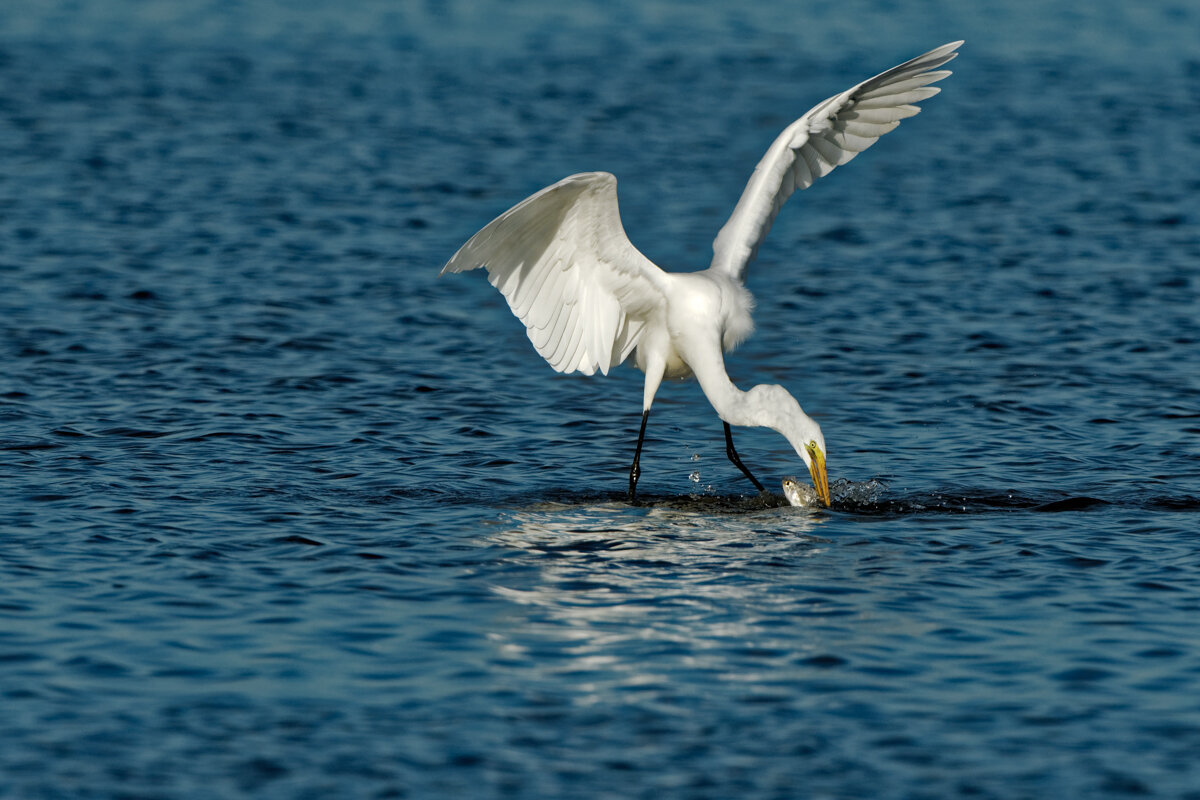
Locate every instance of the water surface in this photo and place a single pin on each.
(285, 515)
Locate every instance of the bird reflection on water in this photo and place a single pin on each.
(617, 596)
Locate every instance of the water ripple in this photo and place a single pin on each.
(286, 515)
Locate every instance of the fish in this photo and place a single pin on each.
(800, 494)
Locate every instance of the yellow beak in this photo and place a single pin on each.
(817, 468)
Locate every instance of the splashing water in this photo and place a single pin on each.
(846, 494)
(850, 493)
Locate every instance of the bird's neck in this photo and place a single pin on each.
(766, 406)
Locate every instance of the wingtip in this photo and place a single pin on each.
(946, 50)
(940, 55)
(599, 176)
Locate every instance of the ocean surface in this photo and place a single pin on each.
(285, 515)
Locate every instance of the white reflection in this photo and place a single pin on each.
(606, 592)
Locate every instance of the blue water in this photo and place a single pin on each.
(282, 514)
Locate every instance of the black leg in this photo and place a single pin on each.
(733, 456)
(635, 471)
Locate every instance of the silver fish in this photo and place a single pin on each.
(801, 494)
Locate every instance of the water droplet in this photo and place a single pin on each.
(695, 456)
(694, 477)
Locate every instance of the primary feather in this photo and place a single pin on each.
(831, 133)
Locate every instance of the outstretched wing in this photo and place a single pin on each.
(831, 133)
(569, 272)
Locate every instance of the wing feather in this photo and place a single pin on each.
(801, 174)
(568, 271)
(900, 98)
(896, 87)
(626, 339)
(559, 317)
(565, 327)
(853, 141)
(817, 168)
(604, 333)
(882, 116)
(829, 150)
(830, 134)
(525, 293)
(565, 354)
(867, 130)
(543, 311)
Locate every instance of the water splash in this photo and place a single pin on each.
(850, 493)
(846, 494)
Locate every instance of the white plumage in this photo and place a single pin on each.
(568, 271)
(830, 134)
(589, 298)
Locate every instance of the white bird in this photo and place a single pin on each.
(588, 298)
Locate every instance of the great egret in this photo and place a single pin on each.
(588, 298)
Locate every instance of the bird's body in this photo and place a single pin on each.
(696, 304)
(589, 299)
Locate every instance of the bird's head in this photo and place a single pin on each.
(812, 449)
(801, 430)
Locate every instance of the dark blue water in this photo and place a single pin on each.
(282, 514)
